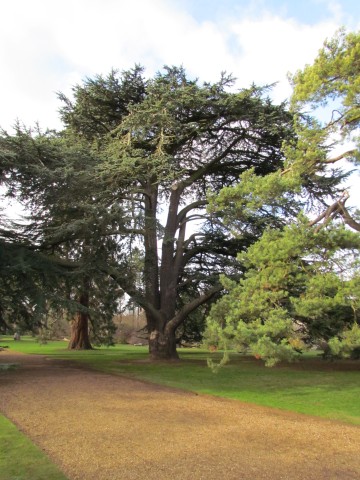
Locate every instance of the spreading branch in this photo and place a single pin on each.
(193, 305)
(348, 153)
(337, 208)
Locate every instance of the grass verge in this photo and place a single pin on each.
(20, 459)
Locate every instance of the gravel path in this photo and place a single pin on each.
(97, 426)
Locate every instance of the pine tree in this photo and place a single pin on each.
(302, 279)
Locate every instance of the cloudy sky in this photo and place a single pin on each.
(47, 46)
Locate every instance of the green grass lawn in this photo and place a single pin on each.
(20, 459)
(311, 386)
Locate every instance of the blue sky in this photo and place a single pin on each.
(48, 46)
(306, 11)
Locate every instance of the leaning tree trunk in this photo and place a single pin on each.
(80, 327)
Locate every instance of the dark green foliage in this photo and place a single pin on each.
(30, 286)
(48, 257)
(163, 150)
(100, 104)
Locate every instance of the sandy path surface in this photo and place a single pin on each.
(97, 426)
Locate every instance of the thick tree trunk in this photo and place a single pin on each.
(161, 284)
(162, 345)
(151, 269)
(80, 333)
(80, 328)
(162, 339)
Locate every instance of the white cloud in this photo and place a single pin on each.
(272, 46)
(50, 46)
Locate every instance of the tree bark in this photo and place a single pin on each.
(151, 270)
(337, 208)
(161, 285)
(162, 335)
(80, 327)
(162, 345)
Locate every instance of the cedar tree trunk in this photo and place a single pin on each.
(161, 284)
(162, 345)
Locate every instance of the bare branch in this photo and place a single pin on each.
(124, 231)
(185, 210)
(341, 156)
(190, 307)
(337, 208)
(133, 293)
(349, 220)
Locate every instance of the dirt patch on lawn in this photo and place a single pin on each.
(97, 426)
